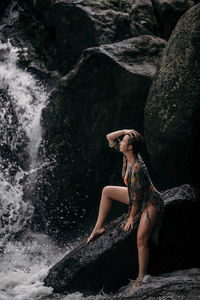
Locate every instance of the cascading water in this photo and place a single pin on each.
(26, 256)
(24, 261)
(20, 128)
(27, 95)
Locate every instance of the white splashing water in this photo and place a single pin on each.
(29, 262)
(23, 265)
(15, 213)
(27, 98)
(27, 94)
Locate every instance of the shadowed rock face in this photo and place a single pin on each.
(66, 28)
(111, 260)
(168, 12)
(184, 284)
(61, 30)
(106, 90)
(142, 18)
(172, 110)
(3, 5)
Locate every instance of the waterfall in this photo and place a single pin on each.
(24, 259)
(28, 97)
(22, 99)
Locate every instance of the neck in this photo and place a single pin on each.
(130, 156)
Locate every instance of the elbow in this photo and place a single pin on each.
(107, 137)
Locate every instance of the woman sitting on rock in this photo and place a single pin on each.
(146, 205)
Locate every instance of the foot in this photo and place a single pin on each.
(138, 282)
(95, 233)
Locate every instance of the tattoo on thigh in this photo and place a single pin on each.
(148, 217)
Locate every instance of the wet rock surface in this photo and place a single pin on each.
(107, 85)
(58, 25)
(180, 285)
(12, 25)
(172, 110)
(111, 260)
(168, 12)
(107, 89)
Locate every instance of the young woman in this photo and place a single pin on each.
(145, 202)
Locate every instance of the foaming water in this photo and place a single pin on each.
(24, 261)
(24, 266)
(25, 257)
(15, 213)
(22, 101)
(27, 95)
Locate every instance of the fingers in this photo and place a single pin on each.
(132, 132)
(128, 226)
(135, 132)
(89, 240)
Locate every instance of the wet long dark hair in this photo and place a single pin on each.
(136, 141)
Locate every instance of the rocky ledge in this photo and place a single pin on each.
(111, 260)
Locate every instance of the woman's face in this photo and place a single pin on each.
(124, 144)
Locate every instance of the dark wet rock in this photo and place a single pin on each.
(66, 28)
(183, 284)
(142, 18)
(168, 12)
(3, 5)
(111, 260)
(106, 91)
(12, 29)
(61, 30)
(172, 111)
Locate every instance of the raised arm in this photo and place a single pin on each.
(111, 137)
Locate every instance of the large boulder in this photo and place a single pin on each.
(172, 110)
(168, 12)
(105, 91)
(182, 284)
(12, 32)
(110, 260)
(61, 30)
(142, 18)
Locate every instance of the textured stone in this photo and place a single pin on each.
(3, 5)
(66, 28)
(172, 110)
(142, 18)
(110, 260)
(106, 91)
(168, 12)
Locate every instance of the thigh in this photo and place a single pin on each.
(147, 222)
(117, 193)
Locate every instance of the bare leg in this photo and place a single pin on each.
(147, 222)
(109, 193)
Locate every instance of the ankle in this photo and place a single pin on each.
(98, 227)
(141, 275)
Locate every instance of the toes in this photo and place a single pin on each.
(95, 234)
(89, 239)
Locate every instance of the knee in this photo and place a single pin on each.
(142, 240)
(106, 191)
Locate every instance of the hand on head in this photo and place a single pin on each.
(132, 132)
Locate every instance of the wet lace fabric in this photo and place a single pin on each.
(141, 190)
